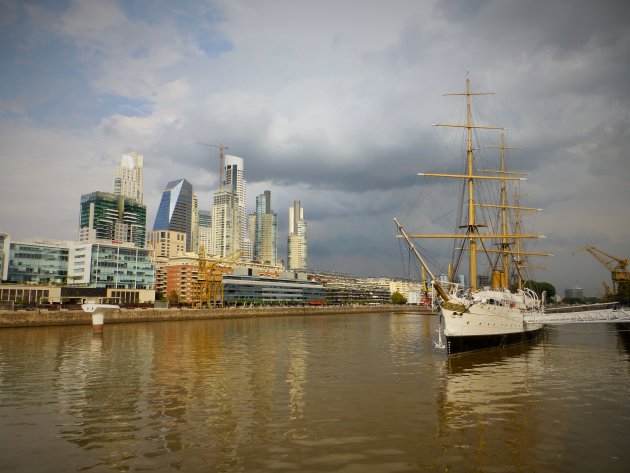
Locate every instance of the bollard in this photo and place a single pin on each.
(98, 312)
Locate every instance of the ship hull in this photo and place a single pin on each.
(464, 344)
(483, 326)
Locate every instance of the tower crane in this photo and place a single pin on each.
(222, 148)
(618, 267)
(210, 278)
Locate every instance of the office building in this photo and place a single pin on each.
(38, 262)
(297, 245)
(266, 234)
(205, 230)
(121, 266)
(108, 217)
(176, 210)
(225, 224)
(234, 181)
(4, 256)
(128, 177)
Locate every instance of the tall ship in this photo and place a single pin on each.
(490, 311)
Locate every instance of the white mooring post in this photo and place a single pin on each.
(98, 312)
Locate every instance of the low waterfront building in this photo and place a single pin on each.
(38, 262)
(120, 266)
(4, 256)
(33, 294)
(246, 284)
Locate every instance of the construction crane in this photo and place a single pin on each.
(618, 267)
(222, 148)
(209, 287)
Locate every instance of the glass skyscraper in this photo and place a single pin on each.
(176, 210)
(110, 217)
(266, 235)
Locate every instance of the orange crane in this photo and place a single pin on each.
(618, 267)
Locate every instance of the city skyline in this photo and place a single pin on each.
(333, 109)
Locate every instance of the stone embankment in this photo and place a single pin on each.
(23, 318)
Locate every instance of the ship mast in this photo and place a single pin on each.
(472, 228)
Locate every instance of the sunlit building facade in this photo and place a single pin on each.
(297, 245)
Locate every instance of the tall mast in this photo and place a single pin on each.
(472, 234)
(503, 206)
(472, 227)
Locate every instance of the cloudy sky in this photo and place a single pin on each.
(328, 102)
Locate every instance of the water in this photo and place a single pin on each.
(343, 393)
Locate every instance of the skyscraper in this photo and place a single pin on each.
(234, 181)
(297, 245)
(128, 177)
(110, 217)
(176, 211)
(225, 218)
(229, 210)
(266, 235)
(205, 229)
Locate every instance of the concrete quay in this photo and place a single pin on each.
(41, 318)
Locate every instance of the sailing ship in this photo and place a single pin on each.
(481, 317)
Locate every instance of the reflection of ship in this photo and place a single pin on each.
(487, 317)
(481, 404)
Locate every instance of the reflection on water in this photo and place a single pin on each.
(330, 393)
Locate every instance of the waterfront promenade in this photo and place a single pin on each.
(23, 318)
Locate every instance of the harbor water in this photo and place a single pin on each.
(342, 393)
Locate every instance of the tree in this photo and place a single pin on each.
(398, 298)
(540, 287)
(173, 297)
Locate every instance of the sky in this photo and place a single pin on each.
(331, 103)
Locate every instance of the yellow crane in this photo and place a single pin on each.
(618, 267)
(210, 287)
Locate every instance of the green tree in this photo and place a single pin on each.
(539, 287)
(398, 298)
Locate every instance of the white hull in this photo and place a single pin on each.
(488, 319)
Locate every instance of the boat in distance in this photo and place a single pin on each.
(491, 315)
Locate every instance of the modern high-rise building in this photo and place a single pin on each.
(205, 229)
(266, 235)
(109, 217)
(225, 224)
(128, 177)
(234, 181)
(297, 245)
(176, 211)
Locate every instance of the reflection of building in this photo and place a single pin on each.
(297, 245)
(176, 210)
(109, 217)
